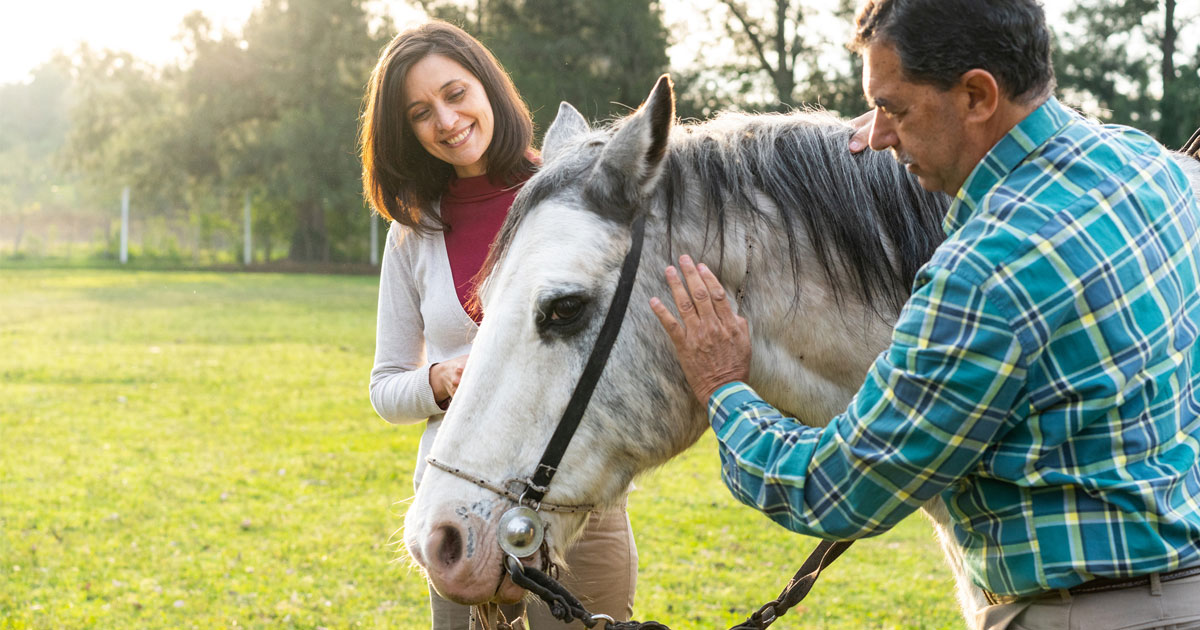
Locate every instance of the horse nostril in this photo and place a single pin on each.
(448, 545)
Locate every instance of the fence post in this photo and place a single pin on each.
(374, 239)
(124, 256)
(247, 248)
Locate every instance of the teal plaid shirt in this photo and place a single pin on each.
(1042, 379)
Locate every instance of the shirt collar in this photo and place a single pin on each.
(1039, 126)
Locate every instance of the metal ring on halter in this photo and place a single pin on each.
(608, 621)
(535, 505)
(513, 564)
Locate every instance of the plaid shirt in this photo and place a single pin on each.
(1042, 379)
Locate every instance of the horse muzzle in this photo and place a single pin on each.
(460, 552)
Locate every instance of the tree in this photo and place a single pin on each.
(280, 105)
(1121, 61)
(121, 124)
(783, 56)
(33, 119)
(600, 56)
(272, 111)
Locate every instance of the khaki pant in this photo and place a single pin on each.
(602, 573)
(1173, 605)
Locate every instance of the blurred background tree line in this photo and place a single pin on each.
(268, 112)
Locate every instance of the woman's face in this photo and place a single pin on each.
(450, 113)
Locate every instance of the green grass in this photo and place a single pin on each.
(196, 450)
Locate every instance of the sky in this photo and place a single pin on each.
(32, 30)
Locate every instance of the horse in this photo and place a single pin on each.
(818, 246)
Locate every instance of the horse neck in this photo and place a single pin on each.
(811, 345)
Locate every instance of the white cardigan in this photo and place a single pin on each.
(420, 322)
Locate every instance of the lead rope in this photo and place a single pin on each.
(567, 608)
(1192, 146)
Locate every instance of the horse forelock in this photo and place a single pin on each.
(868, 223)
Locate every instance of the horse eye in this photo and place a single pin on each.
(561, 316)
(565, 309)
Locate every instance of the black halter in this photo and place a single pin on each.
(539, 483)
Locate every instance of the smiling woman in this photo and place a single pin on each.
(449, 112)
(445, 143)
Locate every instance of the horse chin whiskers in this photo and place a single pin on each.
(403, 557)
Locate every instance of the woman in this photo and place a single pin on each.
(445, 145)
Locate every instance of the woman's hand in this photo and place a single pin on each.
(862, 131)
(444, 378)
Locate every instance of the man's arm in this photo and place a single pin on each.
(930, 407)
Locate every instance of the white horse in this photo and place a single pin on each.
(819, 246)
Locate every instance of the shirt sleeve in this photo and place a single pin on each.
(400, 390)
(931, 404)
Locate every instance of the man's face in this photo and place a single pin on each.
(921, 124)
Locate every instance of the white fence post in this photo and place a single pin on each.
(374, 239)
(247, 248)
(124, 257)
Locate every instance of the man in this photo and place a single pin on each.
(1042, 378)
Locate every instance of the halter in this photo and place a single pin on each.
(539, 484)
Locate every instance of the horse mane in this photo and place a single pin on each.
(868, 222)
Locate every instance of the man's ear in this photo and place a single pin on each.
(982, 93)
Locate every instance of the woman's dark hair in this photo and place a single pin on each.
(939, 40)
(401, 180)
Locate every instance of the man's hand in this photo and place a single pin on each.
(444, 378)
(862, 131)
(712, 343)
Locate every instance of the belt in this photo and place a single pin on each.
(1097, 585)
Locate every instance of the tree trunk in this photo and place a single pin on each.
(1168, 124)
(310, 239)
(785, 74)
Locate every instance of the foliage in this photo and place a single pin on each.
(784, 54)
(312, 58)
(196, 450)
(1125, 61)
(600, 56)
(271, 110)
(33, 123)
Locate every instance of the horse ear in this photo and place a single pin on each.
(635, 153)
(568, 124)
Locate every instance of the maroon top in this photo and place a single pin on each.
(475, 209)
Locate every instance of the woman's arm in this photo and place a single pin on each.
(400, 389)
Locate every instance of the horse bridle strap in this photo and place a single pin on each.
(503, 491)
(540, 481)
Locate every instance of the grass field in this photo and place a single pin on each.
(196, 450)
